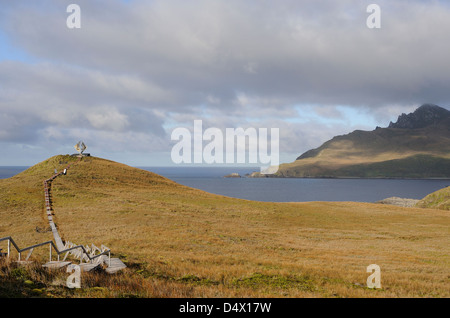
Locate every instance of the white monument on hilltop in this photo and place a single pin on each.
(80, 147)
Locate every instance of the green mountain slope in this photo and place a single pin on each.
(416, 146)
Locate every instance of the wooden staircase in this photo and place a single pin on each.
(113, 265)
(90, 257)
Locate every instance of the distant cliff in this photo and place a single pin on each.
(416, 146)
(425, 115)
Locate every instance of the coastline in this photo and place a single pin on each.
(340, 178)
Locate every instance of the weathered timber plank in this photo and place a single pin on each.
(56, 264)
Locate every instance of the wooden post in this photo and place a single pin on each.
(29, 254)
(9, 247)
(50, 252)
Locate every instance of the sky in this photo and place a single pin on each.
(138, 69)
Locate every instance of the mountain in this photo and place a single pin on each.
(425, 115)
(416, 146)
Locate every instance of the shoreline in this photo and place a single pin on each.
(340, 178)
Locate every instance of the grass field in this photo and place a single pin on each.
(183, 242)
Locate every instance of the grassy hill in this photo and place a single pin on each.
(417, 146)
(182, 242)
(436, 200)
(416, 166)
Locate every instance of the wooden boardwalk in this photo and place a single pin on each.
(114, 264)
(87, 267)
(113, 267)
(90, 257)
(56, 264)
(49, 211)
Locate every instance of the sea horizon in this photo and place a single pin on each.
(212, 180)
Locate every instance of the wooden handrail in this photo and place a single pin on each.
(20, 250)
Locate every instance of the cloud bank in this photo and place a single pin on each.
(137, 69)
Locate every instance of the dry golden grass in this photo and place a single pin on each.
(182, 242)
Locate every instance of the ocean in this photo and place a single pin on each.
(211, 179)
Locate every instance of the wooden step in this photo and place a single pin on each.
(24, 262)
(115, 266)
(87, 267)
(56, 264)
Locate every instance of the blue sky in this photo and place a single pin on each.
(10, 52)
(138, 69)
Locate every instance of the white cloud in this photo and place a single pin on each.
(133, 69)
(106, 118)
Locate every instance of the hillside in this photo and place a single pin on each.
(437, 200)
(182, 242)
(416, 146)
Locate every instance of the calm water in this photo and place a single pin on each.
(7, 172)
(211, 179)
(293, 189)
